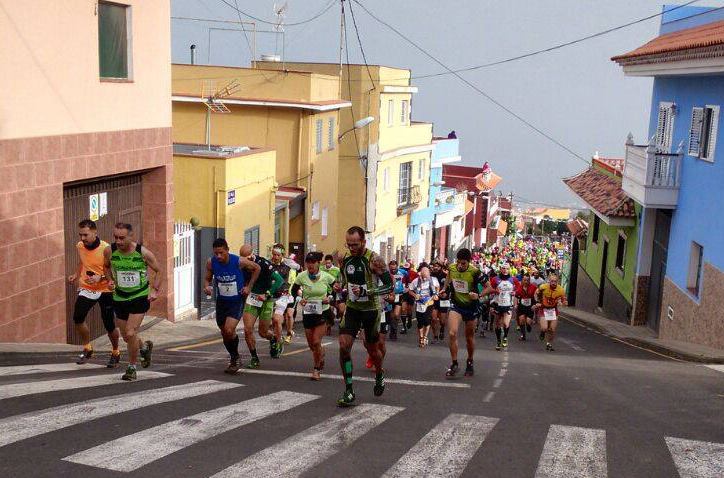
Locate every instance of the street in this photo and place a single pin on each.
(594, 407)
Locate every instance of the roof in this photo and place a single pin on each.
(214, 151)
(325, 105)
(613, 165)
(484, 183)
(577, 227)
(289, 194)
(602, 193)
(704, 36)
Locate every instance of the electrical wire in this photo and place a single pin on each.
(260, 20)
(349, 83)
(241, 24)
(361, 48)
(474, 87)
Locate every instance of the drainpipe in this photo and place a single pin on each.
(193, 54)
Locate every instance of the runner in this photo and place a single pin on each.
(463, 279)
(535, 277)
(504, 286)
(361, 268)
(525, 296)
(401, 281)
(441, 306)
(316, 286)
(549, 295)
(225, 273)
(339, 297)
(284, 267)
(128, 262)
(424, 289)
(260, 305)
(407, 310)
(386, 304)
(93, 289)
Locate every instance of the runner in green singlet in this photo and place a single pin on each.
(128, 262)
(360, 271)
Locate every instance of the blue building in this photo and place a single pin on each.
(422, 228)
(678, 178)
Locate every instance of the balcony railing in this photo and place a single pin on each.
(408, 198)
(650, 177)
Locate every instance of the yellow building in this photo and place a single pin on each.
(294, 113)
(384, 169)
(230, 192)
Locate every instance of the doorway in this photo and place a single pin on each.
(659, 253)
(602, 282)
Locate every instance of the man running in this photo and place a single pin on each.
(283, 300)
(525, 296)
(463, 280)
(128, 262)
(338, 302)
(400, 279)
(93, 289)
(424, 290)
(441, 306)
(549, 295)
(504, 286)
(260, 305)
(361, 269)
(224, 272)
(407, 311)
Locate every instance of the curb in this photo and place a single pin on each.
(644, 344)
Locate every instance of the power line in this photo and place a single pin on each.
(349, 83)
(302, 22)
(241, 24)
(361, 48)
(476, 88)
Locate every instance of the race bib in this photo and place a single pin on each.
(397, 297)
(461, 286)
(421, 307)
(549, 314)
(445, 303)
(227, 289)
(254, 300)
(128, 278)
(504, 299)
(313, 307)
(89, 294)
(525, 302)
(361, 295)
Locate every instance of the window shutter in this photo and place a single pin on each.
(713, 129)
(697, 121)
(665, 126)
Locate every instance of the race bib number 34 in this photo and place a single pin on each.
(128, 278)
(313, 307)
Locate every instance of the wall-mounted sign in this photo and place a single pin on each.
(93, 207)
(231, 197)
(102, 204)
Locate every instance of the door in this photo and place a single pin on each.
(573, 277)
(114, 200)
(602, 283)
(659, 253)
(183, 267)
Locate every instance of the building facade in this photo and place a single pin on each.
(676, 175)
(87, 139)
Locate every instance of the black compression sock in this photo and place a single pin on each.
(232, 346)
(497, 333)
(505, 332)
(253, 353)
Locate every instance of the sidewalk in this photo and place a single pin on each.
(162, 332)
(643, 337)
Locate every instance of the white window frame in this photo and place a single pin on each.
(315, 211)
(386, 179)
(420, 169)
(695, 274)
(319, 127)
(708, 135)
(324, 222)
(390, 112)
(404, 111)
(331, 140)
(665, 126)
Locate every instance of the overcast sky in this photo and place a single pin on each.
(575, 94)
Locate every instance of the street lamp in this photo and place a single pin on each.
(359, 124)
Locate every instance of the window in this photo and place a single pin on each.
(324, 222)
(114, 40)
(665, 127)
(703, 132)
(390, 112)
(331, 140)
(621, 251)
(251, 237)
(420, 169)
(403, 194)
(315, 211)
(693, 280)
(386, 179)
(319, 136)
(596, 226)
(404, 111)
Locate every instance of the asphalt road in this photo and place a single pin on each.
(594, 407)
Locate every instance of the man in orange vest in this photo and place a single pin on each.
(93, 287)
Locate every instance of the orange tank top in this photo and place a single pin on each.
(92, 260)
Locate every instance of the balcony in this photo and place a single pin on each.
(651, 178)
(408, 199)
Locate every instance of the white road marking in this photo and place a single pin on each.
(717, 367)
(38, 422)
(497, 383)
(573, 451)
(502, 372)
(45, 368)
(133, 451)
(307, 449)
(572, 345)
(446, 449)
(400, 381)
(697, 459)
(489, 396)
(29, 388)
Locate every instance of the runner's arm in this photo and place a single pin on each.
(295, 289)
(107, 267)
(208, 277)
(379, 268)
(152, 264)
(253, 267)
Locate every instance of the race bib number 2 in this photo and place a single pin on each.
(228, 289)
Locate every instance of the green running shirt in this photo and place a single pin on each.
(130, 274)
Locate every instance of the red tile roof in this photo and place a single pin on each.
(614, 165)
(703, 36)
(603, 193)
(577, 227)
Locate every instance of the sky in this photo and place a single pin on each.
(576, 95)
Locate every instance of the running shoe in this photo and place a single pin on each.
(233, 366)
(549, 347)
(542, 336)
(528, 328)
(288, 339)
(403, 331)
(280, 348)
(379, 384)
(347, 399)
(273, 350)
(469, 372)
(452, 370)
(84, 356)
(253, 363)
(113, 360)
(498, 345)
(130, 374)
(145, 354)
(505, 342)
(522, 338)
(369, 363)
(316, 375)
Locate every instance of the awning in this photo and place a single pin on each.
(294, 197)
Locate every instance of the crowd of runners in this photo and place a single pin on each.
(359, 291)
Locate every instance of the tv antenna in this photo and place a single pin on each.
(280, 12)
(214, 101)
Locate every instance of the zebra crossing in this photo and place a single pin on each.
(445, 450)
